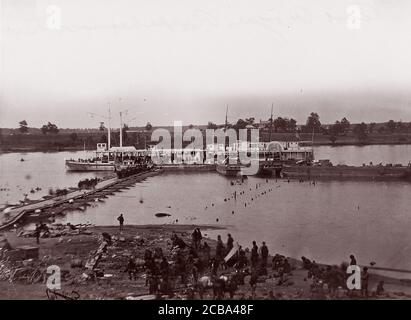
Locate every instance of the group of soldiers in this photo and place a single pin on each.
(194, 266)
(336, 277)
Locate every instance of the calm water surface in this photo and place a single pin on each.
(43, 170)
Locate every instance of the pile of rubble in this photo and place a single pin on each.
(21, 264)
(23, 271)
(95, 257)
(58, 230)
(112, 254)
(108, 262)
(6, 270)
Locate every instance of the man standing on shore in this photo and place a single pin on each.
(219, 249)
(230, 243)
(264, 254)
(364, 281)
(254, 254)
(196, 237)
(132, 269)
(121, 221)
(353, 261)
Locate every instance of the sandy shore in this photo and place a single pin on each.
(134, 240)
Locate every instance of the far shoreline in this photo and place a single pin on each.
(319, 144)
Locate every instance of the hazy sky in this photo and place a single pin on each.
(186, 59)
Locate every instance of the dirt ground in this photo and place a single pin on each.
(68, 250)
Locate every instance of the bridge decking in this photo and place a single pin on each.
(80, 198)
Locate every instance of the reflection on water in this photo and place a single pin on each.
(43, 170)
(327, 222)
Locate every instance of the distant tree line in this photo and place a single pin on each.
(338, 130)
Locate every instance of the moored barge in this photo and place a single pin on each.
(369, 172)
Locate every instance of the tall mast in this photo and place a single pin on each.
(225, 129)
(109, 128)
(271, 122)
(226, 121)
(121, 129)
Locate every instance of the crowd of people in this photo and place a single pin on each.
(328, 279)
(88, 183)
(195, 267)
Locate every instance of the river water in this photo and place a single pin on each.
(326, 222)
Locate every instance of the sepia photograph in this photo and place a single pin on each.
(227, 151)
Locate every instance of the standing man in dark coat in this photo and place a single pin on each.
(254, 254)
(230, 243)
(353, 261)
(121, 221)
(364, 281)
(219, 249)
(264, 254)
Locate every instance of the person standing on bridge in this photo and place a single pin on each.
(121, 221)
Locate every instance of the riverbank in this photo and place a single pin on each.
(67, 142)
(73, 250)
